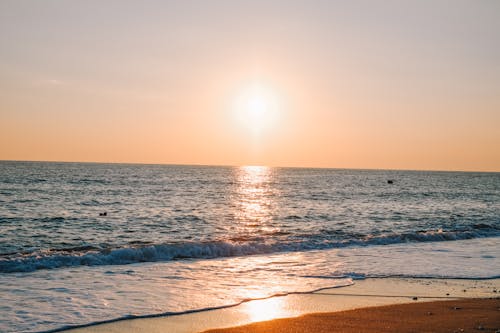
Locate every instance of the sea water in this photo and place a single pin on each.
(82, 243)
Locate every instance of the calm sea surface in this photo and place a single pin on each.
(81, 243)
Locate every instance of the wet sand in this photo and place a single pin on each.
(471, 315)
(320, 306)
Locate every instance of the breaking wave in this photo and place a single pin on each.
(136, 253)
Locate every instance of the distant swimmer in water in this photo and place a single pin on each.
(103, 214)
(390, 181)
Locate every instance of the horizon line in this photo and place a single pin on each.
(239, 166)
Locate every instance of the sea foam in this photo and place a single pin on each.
(91, 256)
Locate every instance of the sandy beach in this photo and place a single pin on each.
(439, 316)
(371, 305)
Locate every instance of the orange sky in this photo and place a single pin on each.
(362, 84)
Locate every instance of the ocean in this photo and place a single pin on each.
(82, 243)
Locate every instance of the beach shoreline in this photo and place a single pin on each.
(363, 294)
(462, 315)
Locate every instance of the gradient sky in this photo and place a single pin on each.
(348, 84)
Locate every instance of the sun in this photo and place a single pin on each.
(257, 108)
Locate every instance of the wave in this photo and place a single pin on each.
(95, 256)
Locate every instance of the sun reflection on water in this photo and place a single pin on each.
(255, 201)
(255, 197)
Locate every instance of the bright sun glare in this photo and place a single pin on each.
(266, 309)
(257, 108)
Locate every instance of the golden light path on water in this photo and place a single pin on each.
(255, 199)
